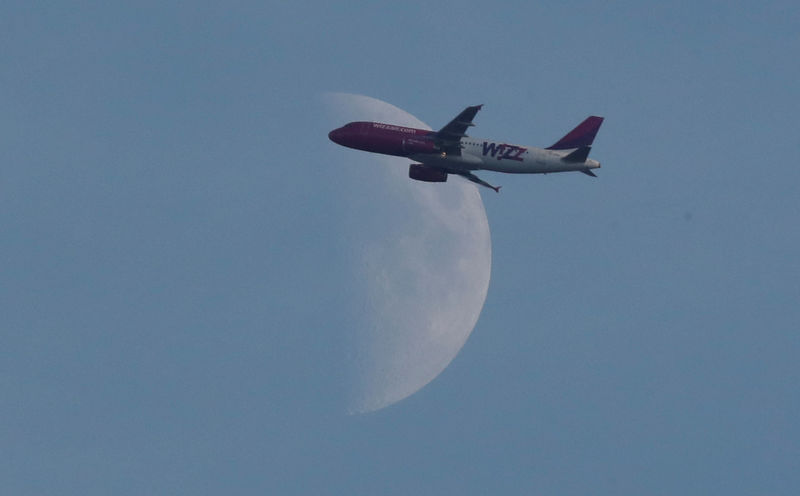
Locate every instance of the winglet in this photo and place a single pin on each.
(457, 128)
(475, 179)
(582, 135)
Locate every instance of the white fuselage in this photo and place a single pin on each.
(483, 154)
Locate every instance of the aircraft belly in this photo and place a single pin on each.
(529, 165)
(512, 168)
(526, 166)
(464, 161)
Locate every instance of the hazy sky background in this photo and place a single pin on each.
(172, 297)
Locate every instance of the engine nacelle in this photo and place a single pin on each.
(428, 174)
(412, 146)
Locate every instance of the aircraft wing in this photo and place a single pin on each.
(449, 137)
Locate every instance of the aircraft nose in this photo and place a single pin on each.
(336, 136)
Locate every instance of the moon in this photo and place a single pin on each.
(421, 256)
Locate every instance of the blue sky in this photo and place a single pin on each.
(171, 285)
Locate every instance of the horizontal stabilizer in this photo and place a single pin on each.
(579, 155)
(589, 172)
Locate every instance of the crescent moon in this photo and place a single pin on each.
(422, 261)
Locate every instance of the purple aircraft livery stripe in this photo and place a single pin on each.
(581, 136)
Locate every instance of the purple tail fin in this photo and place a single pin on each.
(581, 136)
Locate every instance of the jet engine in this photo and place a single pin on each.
(416, 145)
(428, 174)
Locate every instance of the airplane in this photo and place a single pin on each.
(450, 151)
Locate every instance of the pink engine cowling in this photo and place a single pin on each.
(427, 174)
